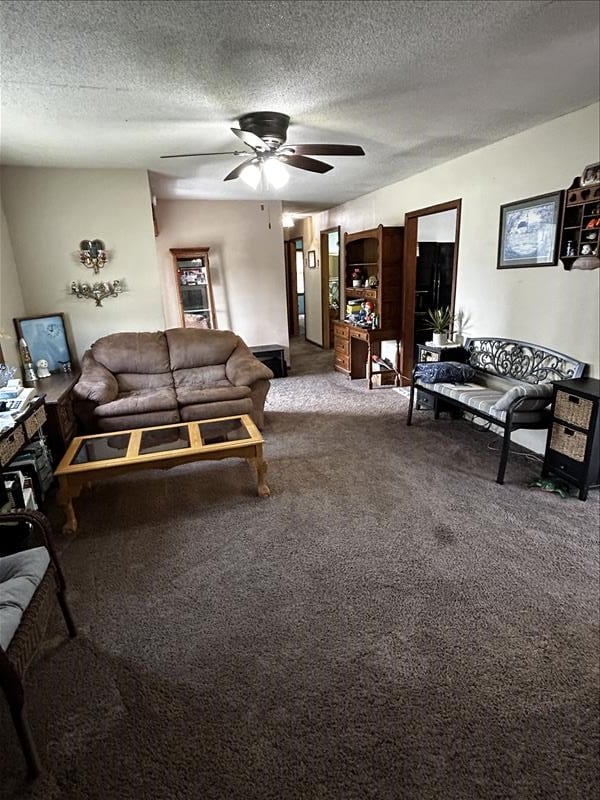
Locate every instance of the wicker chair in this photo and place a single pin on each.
(31, 628)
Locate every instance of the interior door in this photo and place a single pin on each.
(431, 237)
(330, 282)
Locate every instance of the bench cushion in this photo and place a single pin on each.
(481, 398)
(20, 575)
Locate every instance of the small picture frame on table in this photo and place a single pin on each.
(312, 259)
(46, 338)
(590, 175)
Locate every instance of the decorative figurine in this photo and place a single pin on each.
(42, 368)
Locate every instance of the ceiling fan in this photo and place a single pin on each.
(265, 133)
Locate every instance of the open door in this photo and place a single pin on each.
(431, 237)
(294, 273)
(330, 282)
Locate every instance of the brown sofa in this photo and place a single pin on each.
(137, 380)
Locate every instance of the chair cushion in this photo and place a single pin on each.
(20, 575)
(143, 401)
(211, 394)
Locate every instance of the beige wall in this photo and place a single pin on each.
(246, 263)
(543, 305)
(48, 212)
(11, 297)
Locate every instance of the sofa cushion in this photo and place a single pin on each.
(142, 401)
(127, 422)
(537, 396)
(134, 381)
(199, 376)
(191, 347)
(211, 394)
(145, 352)
(226, 408)
(20, 575)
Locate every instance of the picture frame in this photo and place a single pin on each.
(312, 259)
(46, 338)
(529, 231)
(590, 175)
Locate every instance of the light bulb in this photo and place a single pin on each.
(275, 173)
(251, 175)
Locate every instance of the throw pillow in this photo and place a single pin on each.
(538, 396)
(444, 372)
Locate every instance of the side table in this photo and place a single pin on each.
(573, 443)
(428, 353)
(272, 356)
(61, 425)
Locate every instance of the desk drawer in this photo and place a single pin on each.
(10, 445)
(342, 362)
(341, 330)
(362, 335)
(342, 347)
(574, 409)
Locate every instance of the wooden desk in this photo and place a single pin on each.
(354, 346)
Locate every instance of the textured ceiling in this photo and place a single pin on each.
(118, 84)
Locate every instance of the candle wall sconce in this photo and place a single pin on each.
(97, 291)
(92, 254)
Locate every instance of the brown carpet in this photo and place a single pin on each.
(390, 624)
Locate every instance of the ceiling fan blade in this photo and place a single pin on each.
(235, 173)
(311, 164)
(251, 139)
(222, 153)
(326, 149)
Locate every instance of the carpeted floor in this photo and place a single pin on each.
(390, 624)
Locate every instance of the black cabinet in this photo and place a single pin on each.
(573, 444)
(446, 353)
(272, 356)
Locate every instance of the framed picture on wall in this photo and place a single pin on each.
(46, 338)
(529, 229)
(312, 259)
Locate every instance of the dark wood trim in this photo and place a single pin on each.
(411, 222)
(324, 248)
(292, 287)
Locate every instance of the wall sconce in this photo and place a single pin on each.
(97, 291)
(92, 254)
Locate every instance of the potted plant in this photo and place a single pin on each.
(357, 276)
(440, 321)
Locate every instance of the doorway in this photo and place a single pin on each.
(431, 237)
(330, 283)
(294, 273)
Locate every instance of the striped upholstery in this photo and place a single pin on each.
(481, 397)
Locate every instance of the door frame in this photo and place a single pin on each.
(291, 286)
(324, 250)
(411, 225)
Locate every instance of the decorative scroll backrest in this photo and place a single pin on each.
(521, 360)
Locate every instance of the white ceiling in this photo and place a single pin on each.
(118, 84)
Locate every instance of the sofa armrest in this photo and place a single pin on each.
(96, 383)
(243, 368)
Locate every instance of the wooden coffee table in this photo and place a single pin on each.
(94, 458)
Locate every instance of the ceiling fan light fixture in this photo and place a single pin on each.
(251, 175)
(275, 173)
